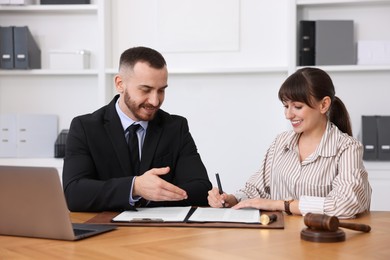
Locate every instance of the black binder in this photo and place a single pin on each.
(26, 50)
(383, 124)
(306, 43)
(370, 138)
(6, 47)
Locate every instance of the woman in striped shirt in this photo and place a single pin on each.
(318, 166)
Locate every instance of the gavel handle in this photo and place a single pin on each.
(355, 226)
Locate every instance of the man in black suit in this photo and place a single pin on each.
(98, 174)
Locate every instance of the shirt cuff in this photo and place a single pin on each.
(310, 204)
(240, 196)
(132, 200)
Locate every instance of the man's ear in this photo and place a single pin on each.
(120, 88)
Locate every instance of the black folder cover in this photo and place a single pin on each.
(383, 123)
(27, 52)
(306, 43)
(6, 47)
(370, 138)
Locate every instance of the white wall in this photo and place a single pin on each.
(205, 34)
(364, 93)
(233, 119)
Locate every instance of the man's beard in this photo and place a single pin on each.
(136, 110)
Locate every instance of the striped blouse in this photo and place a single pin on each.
(332, 180)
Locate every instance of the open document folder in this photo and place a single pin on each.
(189, 214)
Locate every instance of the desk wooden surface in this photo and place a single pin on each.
(207, 243)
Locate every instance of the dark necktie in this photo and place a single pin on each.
(134, 148)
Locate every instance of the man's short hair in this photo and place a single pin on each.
(142, 54)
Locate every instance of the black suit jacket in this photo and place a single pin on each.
(97, 172)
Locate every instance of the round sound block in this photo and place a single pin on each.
(315, 235)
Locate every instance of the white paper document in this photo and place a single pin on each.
(158, 214)
(225, 215)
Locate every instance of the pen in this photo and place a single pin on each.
(147, 220)
(219, 186)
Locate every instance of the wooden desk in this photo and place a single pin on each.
(207, 243)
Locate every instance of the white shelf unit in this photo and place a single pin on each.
(48, 72)
(59, 27)
(360, 11)
(90, 8)
(355, 68)
(337, 2)
(66, 93)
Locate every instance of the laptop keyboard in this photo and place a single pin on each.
(79, 232)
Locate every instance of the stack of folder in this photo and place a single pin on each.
(376, 138)
(18, 49)
(327, 42)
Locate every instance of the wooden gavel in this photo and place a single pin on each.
(329, 223)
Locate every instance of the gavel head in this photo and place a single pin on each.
(321, 222)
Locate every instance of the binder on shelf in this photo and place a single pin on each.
(306, 43)
(370, 138)
(383, 124)
(335, 44)
(332, 41)
(6, 47)
(27, 54)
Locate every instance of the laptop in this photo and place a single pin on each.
(32, 204)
